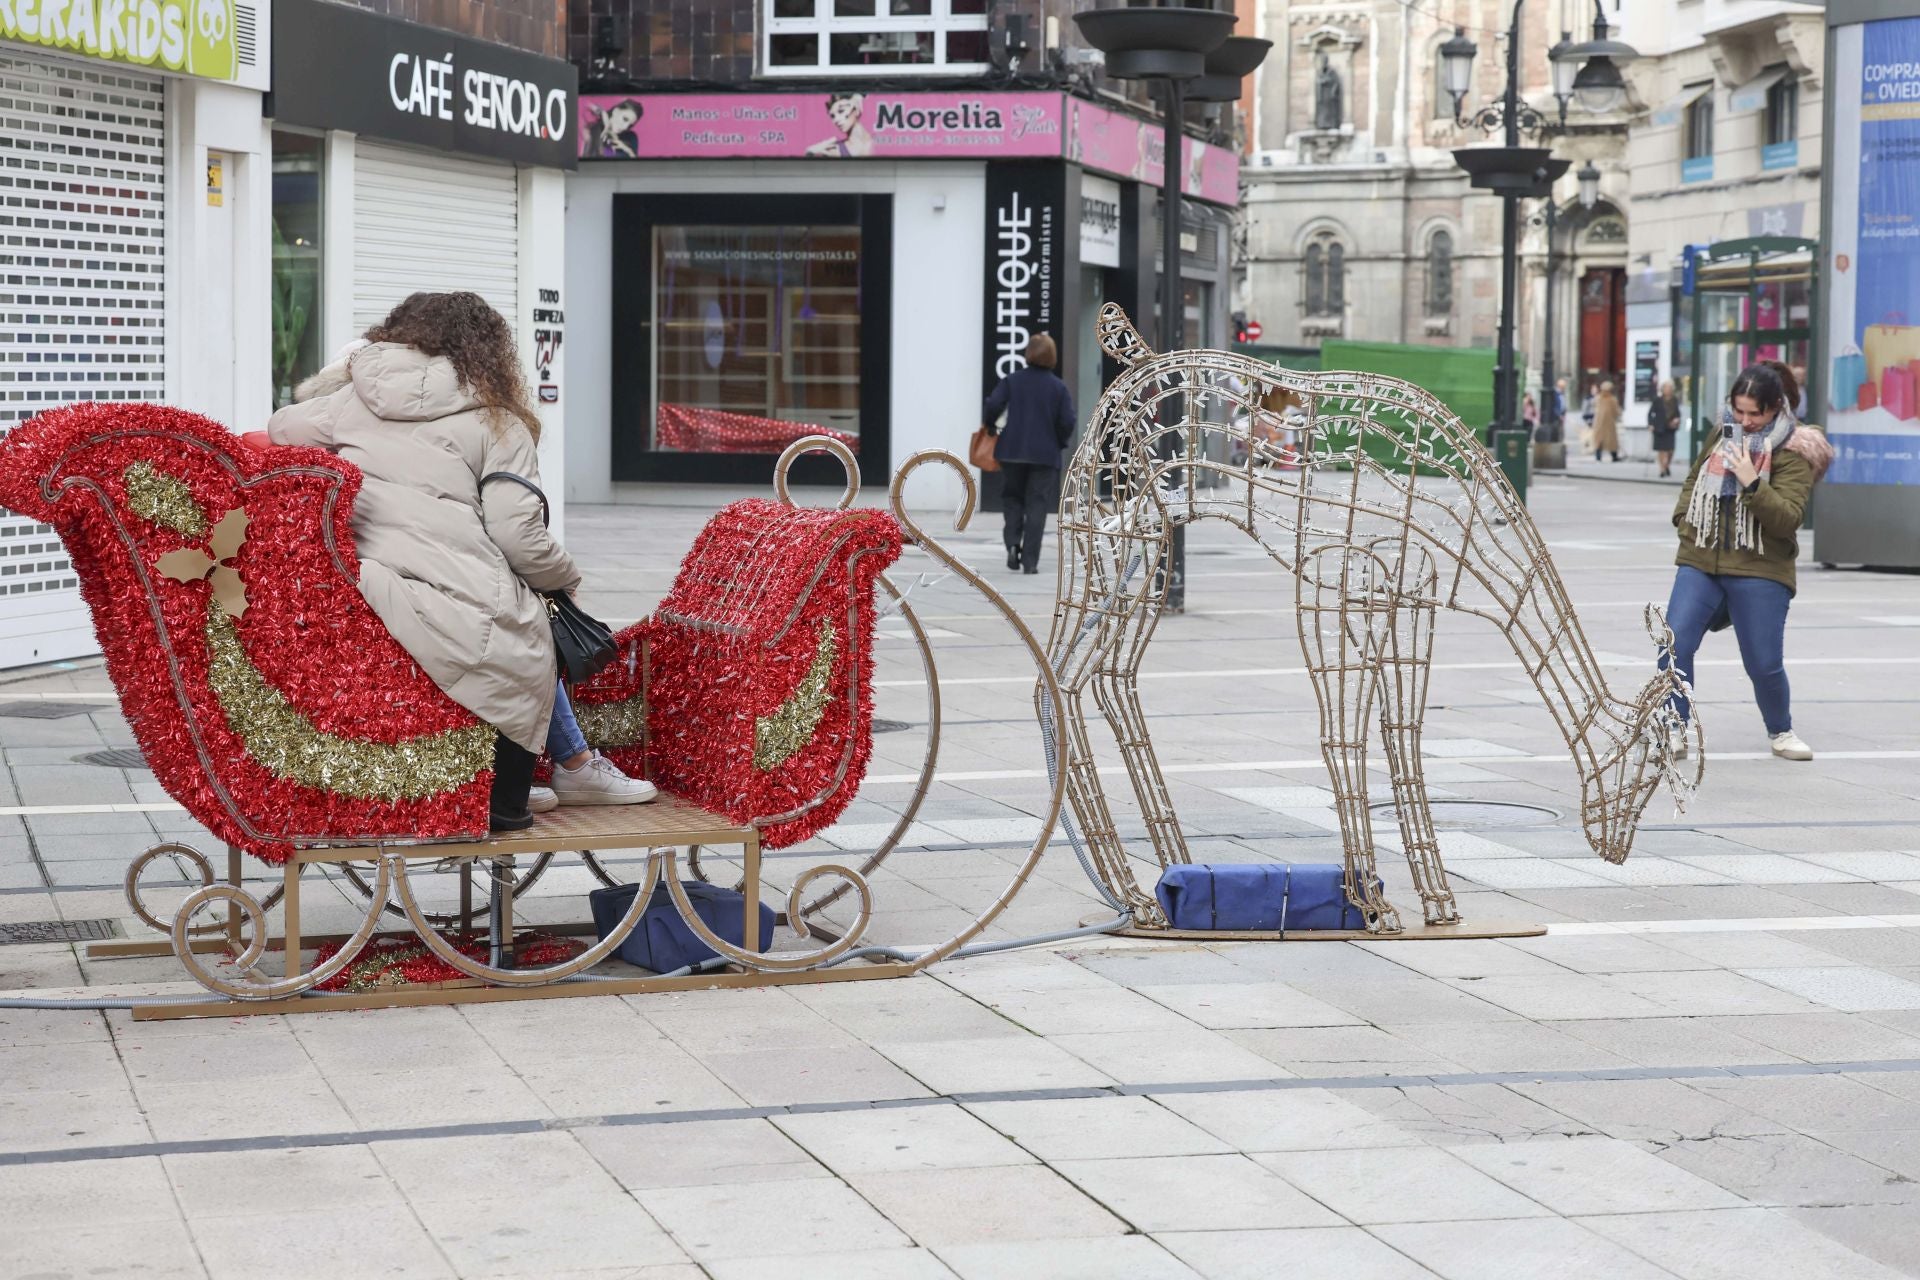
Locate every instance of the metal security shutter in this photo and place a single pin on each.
(434, 222)
(82, 295)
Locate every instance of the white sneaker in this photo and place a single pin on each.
(1677, 744)
(599, 781)
(1789, 747)
(542, 800)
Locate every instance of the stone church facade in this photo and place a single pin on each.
(1358, 222)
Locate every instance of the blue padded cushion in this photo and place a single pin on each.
(1263, 896)
(661, 941)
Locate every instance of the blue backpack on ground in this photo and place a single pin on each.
(1267, 897)
(661, 940)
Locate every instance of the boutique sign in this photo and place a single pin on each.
(188, 37)
(342, 68)
(1025, 263)
(850, 125)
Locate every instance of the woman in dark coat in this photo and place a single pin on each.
(1663, 420)
(1040, 420)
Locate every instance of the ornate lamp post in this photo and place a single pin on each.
(1190, 53)
(1588, 73)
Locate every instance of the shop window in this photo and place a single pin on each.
(751, 321)
(1783, 112)
(1696, 164)
(756, 337)
(920, 37)
(1326, 272)
(298, 173)
(1440, 274)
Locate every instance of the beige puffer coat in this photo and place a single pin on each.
(450, 570)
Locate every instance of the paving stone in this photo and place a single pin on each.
(1853, 989)
(149, 1250)
(1285, 1120)
(1578, 1176)
(770, 1219)
(1195, 1193)
(1113, 1009)
(1399, 1184)
(1734, 1244)
(1807, 1104)
(985, 1066)
(1789, 1169)
(1516, 1250)
(1509, 1046)
(1196, 1055)
(1247, 1004)
(1347, 1252)
(701, 1153)
(968, 1206)
(1135, 1257)
(935, 1137)
(229, 1183)
(1101, 1128)
(1821, 1037)
(1888, 1234)
(536, 1231)
(872, 1264)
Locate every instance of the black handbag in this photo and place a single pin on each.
(582, 643)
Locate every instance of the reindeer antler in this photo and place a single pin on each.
(1119, 339)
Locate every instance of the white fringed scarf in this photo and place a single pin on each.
(1717, 484)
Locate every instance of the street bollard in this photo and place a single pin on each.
(1513, 450)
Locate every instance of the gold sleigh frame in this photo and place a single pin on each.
(1322, 470)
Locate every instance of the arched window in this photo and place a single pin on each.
(1326, 275)
(1440, 274)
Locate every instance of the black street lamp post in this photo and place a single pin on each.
(1189, 51)
(1515, 172)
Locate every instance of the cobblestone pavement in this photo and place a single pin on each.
(1708, 1067)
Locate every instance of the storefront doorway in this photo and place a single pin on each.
(1752, 300)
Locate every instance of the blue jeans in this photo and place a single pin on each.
(564, 739)
(1758, 607)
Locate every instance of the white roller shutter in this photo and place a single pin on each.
(422, 220)
(82, 295)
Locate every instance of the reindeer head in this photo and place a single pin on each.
(1628, 769)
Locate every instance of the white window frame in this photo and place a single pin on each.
(939, 23)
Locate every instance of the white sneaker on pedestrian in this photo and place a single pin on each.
(542, 800)
(1789, 747)
(599, 781)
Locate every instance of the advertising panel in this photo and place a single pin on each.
(877, 125)
(1025, 263)
(1873, 338)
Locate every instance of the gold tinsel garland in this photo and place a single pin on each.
(163, 499)
(777, 738)
(610, 725)
(286, 743)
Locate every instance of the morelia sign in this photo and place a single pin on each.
(337, 67)
(981, 125)
(187, 37)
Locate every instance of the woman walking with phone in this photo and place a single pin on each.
(1738, 516)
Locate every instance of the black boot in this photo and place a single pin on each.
(512, 780)
(1013, 557)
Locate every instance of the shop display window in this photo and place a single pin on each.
(742, 323)
(298, 163)
(756, 336)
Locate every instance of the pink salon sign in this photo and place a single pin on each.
(894, 126)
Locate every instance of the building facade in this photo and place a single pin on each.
(1360, 224)
(791, 219)
(1728, 150)
(135, 185)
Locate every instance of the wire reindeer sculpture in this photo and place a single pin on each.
(1385, 509)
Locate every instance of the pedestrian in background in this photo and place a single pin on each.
(1663, 420)
(1606, 423)
(1586, 415)
(1530, 413)
(1039, 424)
(1738, 516)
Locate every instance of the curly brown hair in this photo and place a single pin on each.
(475, 338)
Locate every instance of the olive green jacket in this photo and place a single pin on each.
(1779, 503)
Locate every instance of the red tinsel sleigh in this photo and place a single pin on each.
(271, 702)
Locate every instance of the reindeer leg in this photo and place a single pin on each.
(1337, 624)
(1405, 664)
(1090, 810)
